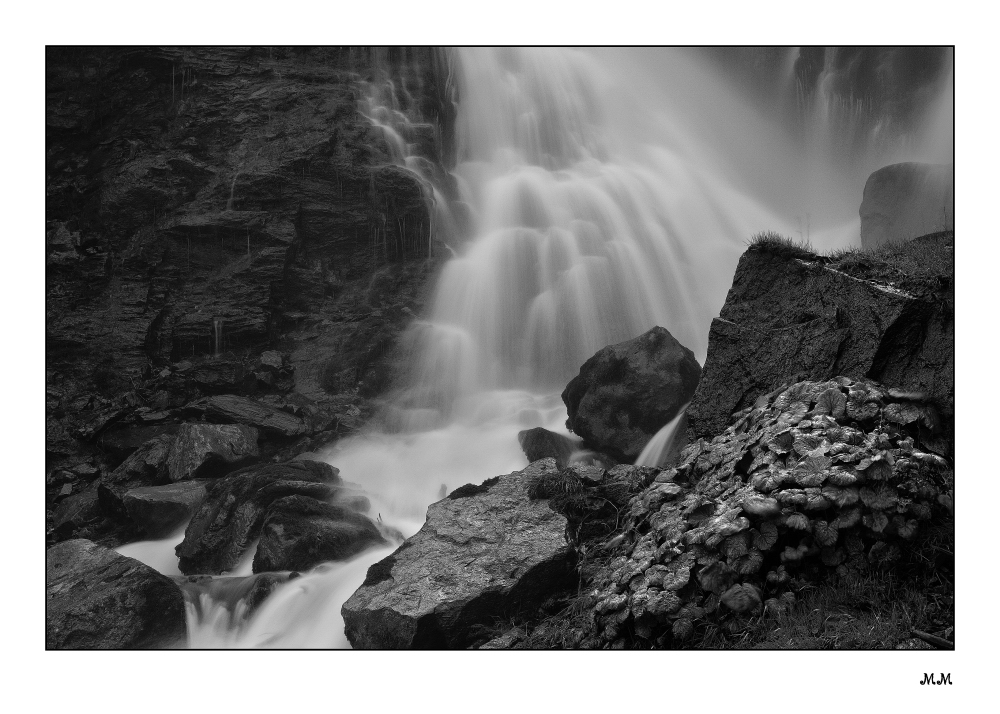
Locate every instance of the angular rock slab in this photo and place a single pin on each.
(790, 316)
(235, 506)
(98, 599)
(158, 510)
(627, 392)
(76, 511)
(228, 408)
(210, 449)
(145, 467)
(485, 552)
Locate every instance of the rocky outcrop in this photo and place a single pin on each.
(539, 443)
(904, 201)
(791, 314)
(299, 533)
(626, 392)
(206, 207)
(204, 450)
(485, 552)
(235, 506)
(97, 599)
(159, 510)
(817, 478)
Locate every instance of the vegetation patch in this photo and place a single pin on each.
(777, 244)
(921, 265)
(471, 489)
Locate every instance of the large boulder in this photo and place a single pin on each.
(205, 450)
(485, 553)
(231, 409)
(158, 510)
(791, 315)
(626, 392)
(904, 201)
(98, 599)
(300, 532)
(231, 516)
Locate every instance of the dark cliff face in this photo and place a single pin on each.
(226, 201)
(192, 186)
(792, 315)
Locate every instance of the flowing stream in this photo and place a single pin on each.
(610, 191)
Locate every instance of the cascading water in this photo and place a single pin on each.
(216, 336)
(609, 191)
(385, 106)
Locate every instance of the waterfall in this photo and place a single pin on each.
(581, 238)
(663, 443)
(216, 336)
(389, 106)
(608, 191)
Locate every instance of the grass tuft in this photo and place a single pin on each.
(921, 264)
(777, 244)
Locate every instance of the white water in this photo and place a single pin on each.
(157, 554)
(611, 191)
(661, 445)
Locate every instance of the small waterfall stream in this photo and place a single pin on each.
(609, 191)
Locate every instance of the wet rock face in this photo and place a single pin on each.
(147, 466)
(481, 556)
(626, 392)
(158, 510)
(184, 161)
(204, 205)
(234, 509)
(76, 511)
(819, 477)
(98, 599)
(299, 533)
(201, 450)
(790, 317)
(904, 201)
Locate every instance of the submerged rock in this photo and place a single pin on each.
(904, 201)
(231, 516)
(485, 553)
(158, 510)
(539, 443)
(98, 599)
(210, 449)
(626, 392)
(300, 532)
